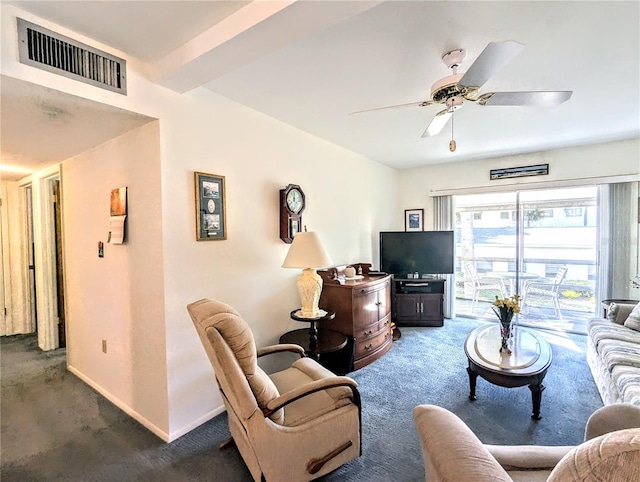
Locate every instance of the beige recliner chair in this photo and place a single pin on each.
(452, 452)
(297, 424)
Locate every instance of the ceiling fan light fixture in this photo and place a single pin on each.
(445, 88)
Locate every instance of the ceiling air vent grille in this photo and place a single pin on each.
(47, 50)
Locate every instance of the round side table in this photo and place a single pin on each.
(313, 328)
(315, 341)
(327, 341)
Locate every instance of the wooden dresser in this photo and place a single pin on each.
(363, 311)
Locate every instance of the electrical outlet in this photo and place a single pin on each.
(104, 346)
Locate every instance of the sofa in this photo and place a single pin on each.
(452, 452)
(613, 353)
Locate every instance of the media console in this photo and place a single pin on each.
(418, 302)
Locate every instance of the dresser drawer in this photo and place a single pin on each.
(361, 333)
(369, 345)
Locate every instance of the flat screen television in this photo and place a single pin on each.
(427, 252)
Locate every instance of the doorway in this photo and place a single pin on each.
(34, 294)
(538, 244)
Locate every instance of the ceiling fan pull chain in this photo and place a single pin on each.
(452, 143)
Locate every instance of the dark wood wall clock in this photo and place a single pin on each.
(291, 207)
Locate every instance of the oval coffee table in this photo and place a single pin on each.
(527, 364)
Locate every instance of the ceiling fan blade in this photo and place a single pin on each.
(437, 123)
(540, 98)
(423, 103)
(495, 56)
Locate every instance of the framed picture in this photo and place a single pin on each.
(413, 219)
(211, 219)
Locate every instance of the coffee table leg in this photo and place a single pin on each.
(472, 384)
(536, 398)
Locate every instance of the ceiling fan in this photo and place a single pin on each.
(455, 89)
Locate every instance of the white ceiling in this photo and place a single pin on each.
(311, 63)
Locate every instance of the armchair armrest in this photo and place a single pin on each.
(313, 387)
(451, 451)
(284, 347)
(528, 457)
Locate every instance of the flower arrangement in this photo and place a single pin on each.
(504, 309)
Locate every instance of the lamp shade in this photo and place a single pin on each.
(306, 251)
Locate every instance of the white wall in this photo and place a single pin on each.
(258, 156)
(349, 199)
(585, 164)
(118, 298)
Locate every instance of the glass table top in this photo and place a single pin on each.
(525, 348)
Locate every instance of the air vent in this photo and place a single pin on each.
(47, 50)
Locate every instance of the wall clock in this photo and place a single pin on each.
(291, 207)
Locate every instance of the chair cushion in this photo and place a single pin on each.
(239, 337)
(633, 320)
(612, 457)
(302, 372)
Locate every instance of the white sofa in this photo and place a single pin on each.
(613, 353)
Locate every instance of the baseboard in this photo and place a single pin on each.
(188, 428)
(122, 406)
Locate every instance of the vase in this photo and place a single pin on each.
(505, 337)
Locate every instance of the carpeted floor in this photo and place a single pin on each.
(54, 427)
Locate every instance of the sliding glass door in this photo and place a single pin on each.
(541, 245)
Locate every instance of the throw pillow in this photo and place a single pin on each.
(633, 321)
(612, 312)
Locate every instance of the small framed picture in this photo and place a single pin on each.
(413, 219)
(211, 223)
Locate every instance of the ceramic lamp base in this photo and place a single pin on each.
(309, 289)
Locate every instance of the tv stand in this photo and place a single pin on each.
(418, 302)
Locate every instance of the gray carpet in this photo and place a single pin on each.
(54, 427)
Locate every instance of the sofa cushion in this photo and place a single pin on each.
(613, 355)
(627, 381)
(602, 330)
(633, 320)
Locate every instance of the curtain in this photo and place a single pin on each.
(443, 212)
(618, 237)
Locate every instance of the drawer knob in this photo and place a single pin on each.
(368, 332)
(368, 347)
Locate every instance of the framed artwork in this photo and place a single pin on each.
(413, 219)
(211, 219)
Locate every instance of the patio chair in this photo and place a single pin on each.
(549, 289)
(483, 283)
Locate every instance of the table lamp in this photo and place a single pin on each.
(306, 252)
